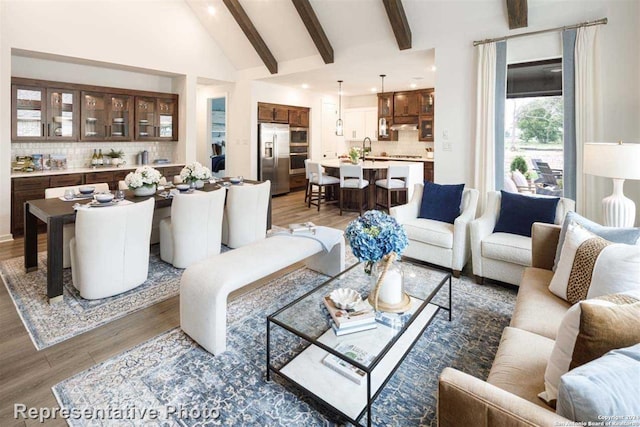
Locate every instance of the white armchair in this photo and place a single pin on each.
(194, 230)
(503, 256)
(245, 215)
(438, 242)
(110, 252)
(69, 230)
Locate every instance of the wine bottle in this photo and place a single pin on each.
(94, 158)
(100, 158)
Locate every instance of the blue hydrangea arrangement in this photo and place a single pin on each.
(375, 235)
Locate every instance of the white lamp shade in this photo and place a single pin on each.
(612, 160)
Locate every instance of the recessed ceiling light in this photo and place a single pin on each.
(373, 89)
(433, 68)
(413, 85)
(211, 10)
(305, 86)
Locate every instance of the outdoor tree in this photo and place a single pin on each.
(541, 120)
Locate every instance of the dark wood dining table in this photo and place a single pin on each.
(55, 213)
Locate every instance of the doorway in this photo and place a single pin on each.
(217, 131)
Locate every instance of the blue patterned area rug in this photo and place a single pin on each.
(49, 324)
(187, 386)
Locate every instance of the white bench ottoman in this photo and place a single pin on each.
(205, 286)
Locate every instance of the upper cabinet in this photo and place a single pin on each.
(426, 119)
(405, 108)
(405, 104)
(427, 102)
(299, 117)
(44, 113)
(360, 123)
(385, 110)
(51, 111)
(105, 117)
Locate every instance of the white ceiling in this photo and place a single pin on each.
(358, 30)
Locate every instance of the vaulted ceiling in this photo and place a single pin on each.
(358, 30)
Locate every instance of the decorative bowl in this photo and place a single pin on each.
(103, 197)
(183, 187)
(86, 190)
(344, 298)
(235, 180)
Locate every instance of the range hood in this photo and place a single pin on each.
(405, 126)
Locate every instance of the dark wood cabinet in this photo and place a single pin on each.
(427, 102)
(42, 113)
(425, 128)
(22, 190)
(273, 113)
(297, 181)
(385, 110)
(265, 113)
(105, 117)
(280, 114)
(426, 119)
(155, 119)
(66, 180)
(428, 171)
(56, 111)
(299, 117)
(405, 104)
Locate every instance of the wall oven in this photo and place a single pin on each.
(298, 153)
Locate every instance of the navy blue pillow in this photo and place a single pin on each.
(441, 202)
(518, 213)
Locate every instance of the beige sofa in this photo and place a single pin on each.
(509, 397)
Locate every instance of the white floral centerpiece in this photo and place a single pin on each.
(195, 173)
(143, 181)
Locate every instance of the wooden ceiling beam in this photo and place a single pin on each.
(310, 20)
(249, 30)
(399, 23)
(518, 13)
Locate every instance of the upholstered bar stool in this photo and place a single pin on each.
(69, 230)
(351, 181)
(394, 183)
(320, 180)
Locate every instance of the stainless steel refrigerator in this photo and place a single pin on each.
(273, 156)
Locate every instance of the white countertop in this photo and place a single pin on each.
(370, 164)
(401, 159)
(88, 170)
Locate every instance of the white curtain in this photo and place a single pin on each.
(588, 116)
(484, 179)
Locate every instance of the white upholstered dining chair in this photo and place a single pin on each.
(110, 252)
(158, 215)
(194, 230)
(69, 230)
(245, 215)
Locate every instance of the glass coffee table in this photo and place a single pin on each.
(299, 338)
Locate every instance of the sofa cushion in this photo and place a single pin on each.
(441, 202)
(537, 309)
(507, 247)
(591, 266)
(518, 212)
(607, 323)
(520, 363)
(605, 387)
(431, 232)
(629, 236)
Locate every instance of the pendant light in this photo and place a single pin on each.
(339, 127)
(382, 124)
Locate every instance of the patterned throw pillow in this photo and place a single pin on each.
(588, 330)
(591, 266)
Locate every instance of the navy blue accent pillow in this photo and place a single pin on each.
(441, 202)
(518, 213)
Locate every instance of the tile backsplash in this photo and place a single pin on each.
(407, 143)
(79, 153)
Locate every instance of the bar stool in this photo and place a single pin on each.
(351, 181)
(320, 180)
(395, 182)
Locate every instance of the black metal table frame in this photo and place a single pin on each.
(271, 319)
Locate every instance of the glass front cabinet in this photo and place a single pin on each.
(156, 119)
(44, 114)
(106, 117)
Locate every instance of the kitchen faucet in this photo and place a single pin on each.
(364, 153)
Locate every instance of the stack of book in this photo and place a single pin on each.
(346, 369)
(343, 322)
(304, 227)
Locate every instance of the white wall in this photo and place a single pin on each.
(169, 43)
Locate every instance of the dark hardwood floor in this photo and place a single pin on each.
(27, 375)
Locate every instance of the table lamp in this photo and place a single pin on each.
(618, 161)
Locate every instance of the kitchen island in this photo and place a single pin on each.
(376, 169)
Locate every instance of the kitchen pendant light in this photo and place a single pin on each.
(339, 127)
(382, 124)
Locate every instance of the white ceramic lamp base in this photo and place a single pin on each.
(619, 211)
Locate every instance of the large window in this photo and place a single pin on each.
(533, 131)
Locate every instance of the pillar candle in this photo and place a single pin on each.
(391, 288)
